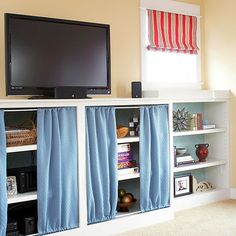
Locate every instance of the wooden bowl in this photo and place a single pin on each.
(122, 132)
(123, 206)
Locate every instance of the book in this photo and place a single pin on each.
(193, 122)
(185, 157)
(124, 147)
(125, 158)
(126, 164)
(127, 171)
(210, 126)
(199, 121)
(185, 163)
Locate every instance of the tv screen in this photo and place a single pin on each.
(45, 53)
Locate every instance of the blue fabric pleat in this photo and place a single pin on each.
(102, 179)
(3, 176)
(154, 158)
(57, 175)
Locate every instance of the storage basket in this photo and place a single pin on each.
(24, 134)
(122, 132)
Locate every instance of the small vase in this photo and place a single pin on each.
(202, 151)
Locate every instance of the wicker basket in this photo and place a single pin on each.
(122, 132)
(24, 134)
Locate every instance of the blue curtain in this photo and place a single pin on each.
(154, 158)
(102, 180)
(57, 176)
(3, 176)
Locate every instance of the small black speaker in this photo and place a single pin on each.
(136, 88)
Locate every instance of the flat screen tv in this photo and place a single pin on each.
(44, 53)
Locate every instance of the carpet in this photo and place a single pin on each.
(217, 219)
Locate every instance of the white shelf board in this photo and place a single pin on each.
(22, 197)
(128, 140)
(22, 148)
(133, 209)
(199, 165)
(203, 131)
(128, 176)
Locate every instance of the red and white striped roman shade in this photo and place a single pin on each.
(172, 32)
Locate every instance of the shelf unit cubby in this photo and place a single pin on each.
(217, 162)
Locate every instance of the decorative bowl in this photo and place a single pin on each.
(181, 151)
(123, 206)
(122, 132)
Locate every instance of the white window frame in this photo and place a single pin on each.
(174, 7)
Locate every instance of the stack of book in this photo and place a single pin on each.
(196, 121)
(125, 159)
(184, 159)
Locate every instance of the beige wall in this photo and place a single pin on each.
(220, 57)
(122, 15)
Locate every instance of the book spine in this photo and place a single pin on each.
(127, 171)
(127, 164)
(199, 121)
(194, 122)
(124, 147)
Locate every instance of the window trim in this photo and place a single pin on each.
(175, 7)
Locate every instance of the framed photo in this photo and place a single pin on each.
(182, 185)
(11, 186)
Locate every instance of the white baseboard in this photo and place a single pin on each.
(233, 193)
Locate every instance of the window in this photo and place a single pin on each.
(163, 69)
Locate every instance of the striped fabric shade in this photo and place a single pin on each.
(172, 32)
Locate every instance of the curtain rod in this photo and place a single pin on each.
(130, 107)
(14, 110)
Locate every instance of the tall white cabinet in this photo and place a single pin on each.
(215, 170)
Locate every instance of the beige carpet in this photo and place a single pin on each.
(218, 219)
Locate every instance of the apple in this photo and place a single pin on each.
(121, 192)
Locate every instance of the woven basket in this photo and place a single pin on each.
(24, 134)
(122, 132)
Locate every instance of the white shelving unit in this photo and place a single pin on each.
(125, 180)
(16, 155)
(216, 168)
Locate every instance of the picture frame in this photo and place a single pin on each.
(11, 186)
(182, 185)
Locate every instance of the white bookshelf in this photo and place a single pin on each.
(196, 132)
(216, 168)
(22, 197)
(200, 165)
(128, 140)
(23, 148)
(128, 176)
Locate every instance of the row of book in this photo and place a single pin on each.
(126, 163)
(196, 122)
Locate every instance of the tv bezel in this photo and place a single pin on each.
(49, 91)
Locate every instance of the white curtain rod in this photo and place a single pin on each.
(15, 110)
